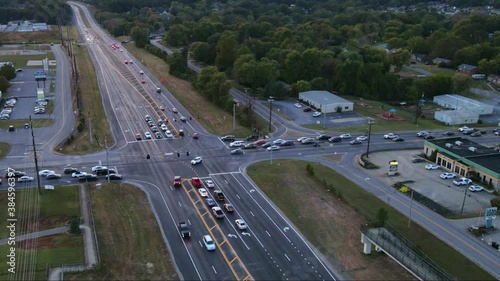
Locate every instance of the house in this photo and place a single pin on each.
(419, 57)
(494, 80)
(467, 69)
(441, 61)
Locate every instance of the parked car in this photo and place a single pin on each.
(475, 188)
(307, 109)
(317, 114)
(417, 160)
(432, 167)
(447, 176)
(462, 181)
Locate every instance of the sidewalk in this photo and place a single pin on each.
(37, 234)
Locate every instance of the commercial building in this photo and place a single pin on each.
(456, 117)
(467, 159)
(326, 101)
(458, 102)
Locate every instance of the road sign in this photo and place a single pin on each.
(490, 213)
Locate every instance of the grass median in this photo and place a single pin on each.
(4, 150)
(32, 38)
(328, 209)
(19, 123)
(129, 237)
(21, 61)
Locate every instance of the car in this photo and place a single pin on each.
(252, 138)
(219, 195)
(88, 177)
(390, 136)
(154, 129)
(177, 181)
(158, 90)
(287, 143)
(196, 160)
(362, 138)
(422, 134)
(210, 183)
(237, 144)
(302, 138)
(260, 142)
(476, 134)
(448, 133)
(25, 179)
(104, 172)
(168, 134)
(174, 110)
(196, 181)
(497, 133)
(184, 230)
(237, 151)
(241, 224)
(417, 160)
(162, 108)
(164, 127)
(462, 181)
(345, 136)
(45, 173)
(148, 118)
(126, 61)
(308, 141)
(69, 170)
(99, 168)
(273, 148)
(141, 72)
(461, 129)
(15, 174)
(209, 243)
(196, 136)
(468, 131)
(143, 81)
(429, 137)
(297, 105)
(53, 176)
(147, 135)
(250, 145)
(447, 176)
(183, 119)
(354, 142)
(113, 177)
(398, 139)
(307, 109)
(158, 135)
(217, 211)
(475, 188)
(323, 137)
(78, 174)
(210, 202)
(316, 114)
(266, 145)
(432, 167)
(229, 208)
(203, 192)
(228, 138)
(335, 139)
(151, 123)
(138, 137)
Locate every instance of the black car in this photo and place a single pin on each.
(236, 151)
(323, 137)
(184, 230)
(267, 144)
(252, 138)
(228, 139)
(104, 172)
(287, 143)
(417, 160)
(88, 177)
(398, 139)
(70, 170)
(114, 177)
(476, 134)
(15, 174)
(429, 137)
(335, 139)
(448, 133)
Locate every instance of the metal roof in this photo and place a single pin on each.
(321, 96)
(459, 101)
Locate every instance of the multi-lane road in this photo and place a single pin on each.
(271, 248)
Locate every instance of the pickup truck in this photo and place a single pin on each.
(217, 211)
(462, 181)
(184, 230)
(219, 195)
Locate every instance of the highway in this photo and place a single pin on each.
(271, 248)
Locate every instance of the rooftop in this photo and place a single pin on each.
(322, 96)
(482, 155)
(461, 113)
(459, 101)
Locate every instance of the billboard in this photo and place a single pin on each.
(40, 94)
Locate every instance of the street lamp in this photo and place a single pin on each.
(324, 114)
(270, 129)
(370, 122)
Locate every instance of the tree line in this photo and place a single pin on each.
(54, 12)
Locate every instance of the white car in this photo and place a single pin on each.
(210, 183)
(99, 168)
(141, 72)
(78, 174)
(237, 144)
(241, 224)
(390, 136)
(316, 114)
(345, 136)
(464, 128)
(168, 134)
(422, 134)
(196, 160)
(203, 192)
(448, 175)
(164, 127)
(174, 110)
(44, 173)
(25, 179)
(475, 188)
(209, 243)
(432, 167)
(297, 105)
(147, 135)
(362, 138)
(301, 139)
(273, 147)
(278, 141)
(462, 181)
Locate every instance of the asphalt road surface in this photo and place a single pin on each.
(271, 248)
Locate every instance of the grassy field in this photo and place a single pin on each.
(91, 106)
(21, 61)
(128, 236)
(19, 123)
(39, 37)
(54, 251)
(436, 69)
(4, 149)
(332, 225)
(56, 207)
(211, 117)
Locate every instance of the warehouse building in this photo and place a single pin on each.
(326, 102)
(466, 159)
(458, 102)
(456, 117)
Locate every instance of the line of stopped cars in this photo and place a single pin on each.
(462, 181)
(75, 173)
(217, 204)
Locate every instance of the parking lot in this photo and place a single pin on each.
(333, 120)
(428, 182)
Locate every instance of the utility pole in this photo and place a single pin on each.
(107, 157)
(90, 129)
(36, 159)
(411, 207)
(369, 135)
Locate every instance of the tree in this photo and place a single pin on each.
(461, 82)
(177, 36)
(140, 36)
(300, 86)
(226, 50)
(203, 52)
(178, 63)
(4, 84)
(8, 71)
(400, 58)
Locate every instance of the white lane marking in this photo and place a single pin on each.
(189, 222)
(226, 181)
(200, 243)
(238, 196)
(227, 173)
(214, 269)
(268, 233)
(287, 257)
(252, 213)
(15, 156)
(179, 204)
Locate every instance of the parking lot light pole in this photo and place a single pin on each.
(370, 122)
(465, 195)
